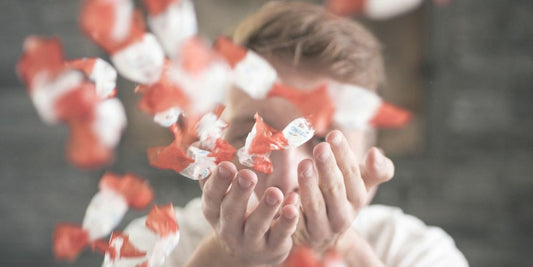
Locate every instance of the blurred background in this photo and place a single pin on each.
(465, 68)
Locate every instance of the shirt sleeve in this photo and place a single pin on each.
(402, 240)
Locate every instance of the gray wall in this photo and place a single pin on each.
(473, 178)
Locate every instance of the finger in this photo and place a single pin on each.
(233, 207)
(331, 182)
(376, 168)
(355, 186)
(291, 198)
(313, 204)
(260, 220)
(284, 226)
(215, 189)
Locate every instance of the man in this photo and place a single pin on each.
(316, 191)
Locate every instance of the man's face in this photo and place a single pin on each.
(278, 112)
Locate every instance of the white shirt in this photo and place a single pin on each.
(398, 239)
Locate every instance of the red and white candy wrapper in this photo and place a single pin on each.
(172, 21)
(41, 61)
(158, 240)
(252, 74)
(104, 213)
(315, 105)
(62, 93)
(375, 9)
(99, 72)
(202, 75)
(263, 139)
(116, 27)
(120, 247)
(356, 107)
(197, 161)
(164, 100)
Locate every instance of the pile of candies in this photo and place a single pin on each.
(182, 82)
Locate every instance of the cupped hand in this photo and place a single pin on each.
(254, 236)
(333, 187)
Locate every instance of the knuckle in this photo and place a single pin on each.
(332, 189)
(353, 170)
(358, 201)
(340, 225)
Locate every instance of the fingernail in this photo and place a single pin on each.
(335, 138)
(290, 215)
(244, 183)
(271, 200)
(308, 172)
(324, 155)
(223, 172)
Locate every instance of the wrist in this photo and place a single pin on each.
(213, 252)
(356, 251)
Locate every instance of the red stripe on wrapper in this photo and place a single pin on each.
(162, 220)
(390, 116)
(69, 241)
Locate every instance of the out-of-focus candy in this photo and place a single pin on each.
(302, 256)
(104, 213)
(162, 221)
(315, 105)
(141, 61)
(375, 9)
(164, 100)
(62, 93)
(120, 247)
(41, 61)
(112, 24)
(263, 139)
(159, 239)
(172, 21)
(202, 75)
(252, 74)
(117, 28)
(98, 71)
(356, 107)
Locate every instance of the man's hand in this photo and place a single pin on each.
(333, 188)
(253, 237)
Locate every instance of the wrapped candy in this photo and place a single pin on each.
(172, 21)
(316, 104)
(204, 76)
(119, 30)
(356, 107)
(252, 74)
(99, 72)
(195, 162)
(159, 239)
(104, 213)
(120, 247)
(375, 9)
(263, 139)
(164, 100)
(41, 61)
(162, 221)
(62, 93)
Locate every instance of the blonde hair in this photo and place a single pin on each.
(308, 35)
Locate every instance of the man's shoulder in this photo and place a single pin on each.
(400, 237)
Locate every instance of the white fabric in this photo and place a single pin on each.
(398, 239)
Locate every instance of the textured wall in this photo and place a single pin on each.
(473, 177)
